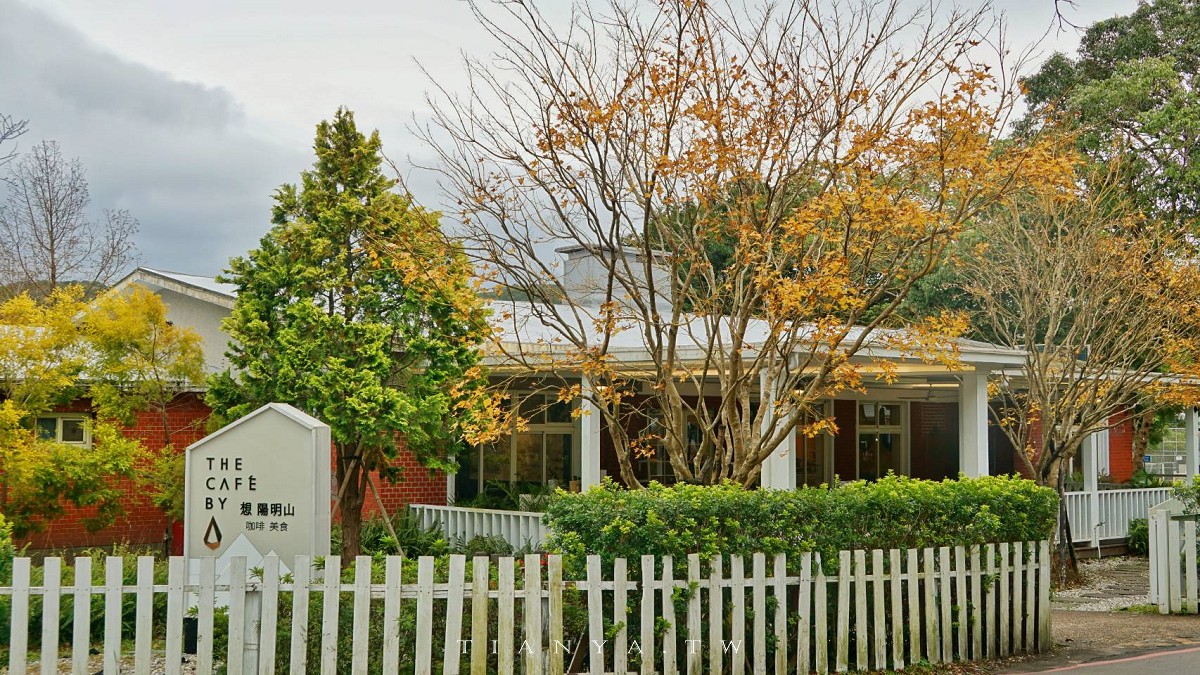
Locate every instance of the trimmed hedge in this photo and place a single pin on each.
(894, 512)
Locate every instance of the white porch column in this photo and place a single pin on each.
(779, 469)
(972, 424)
(1087, 455)
(589, 437)
(1191, 453)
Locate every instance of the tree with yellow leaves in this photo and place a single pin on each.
(833, 149)
(120, 353)
(1101, 299)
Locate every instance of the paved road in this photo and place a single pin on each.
(1170, 662)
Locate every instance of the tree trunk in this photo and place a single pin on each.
(1066, 563)
(350, 478)
(1142, 423)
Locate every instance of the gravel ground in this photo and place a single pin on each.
(1108, 584)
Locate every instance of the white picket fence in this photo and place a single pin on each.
(1108, 516)
(521, 529)
(878, 609)
(1174, 577)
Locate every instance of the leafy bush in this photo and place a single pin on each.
(895, 512)
(1139, 537)
(1189, 495)
(414, 539)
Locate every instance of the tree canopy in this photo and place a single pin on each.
(356, 309)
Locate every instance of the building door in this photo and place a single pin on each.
(880, 439)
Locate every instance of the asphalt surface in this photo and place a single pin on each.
(1186, 660)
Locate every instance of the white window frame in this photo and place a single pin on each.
(900, 430)
(59, 418)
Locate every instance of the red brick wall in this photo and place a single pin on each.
(142, 523)
(934, 439)
(1120, 448)
(845, 442)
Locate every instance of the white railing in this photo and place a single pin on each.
(523, 530)
(1174, 577)
(1114, 509)
(874, 610)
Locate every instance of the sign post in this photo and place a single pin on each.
(258, 487)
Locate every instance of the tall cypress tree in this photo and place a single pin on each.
(357, 310)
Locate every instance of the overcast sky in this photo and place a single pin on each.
(190, 114)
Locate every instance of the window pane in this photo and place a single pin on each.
(810, 463)
(533, 409)
(529, 458)
(866, 413)
(72, 430)
(889, 453)
(889, 415)
(559, 412)
(495, 461)
(558, 458)
(47, 428)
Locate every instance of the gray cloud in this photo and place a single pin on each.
(179, 155)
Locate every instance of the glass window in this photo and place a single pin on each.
(71, 429)
(880, 429)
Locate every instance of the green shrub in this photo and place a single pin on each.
(895, 512)
(1189, 495)
(414, 539)
(1139, 537)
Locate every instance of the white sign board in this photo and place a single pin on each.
(259, 486)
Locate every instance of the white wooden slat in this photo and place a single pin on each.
(646, 640)
(1018, 600)
(1031, 599)
(1189, 569)
(779, 584)
(176, 576)
(821, 620)
(670, 666)
(506, 592)
(331, 597)
(269, 622)
(694, 639)
(804, 620)
(620, 616)
(913, 596)
(1045, 640)
(144, 624)
(532, 645)
(1003, 617)
(361, 616)
(114, 581)
(843, 612)
(1174, 561)
(945, 622)
(18, 640)
(896, 605)
(879, 629)
(960, 600)
(51, 597)
(82, 626)
(976, 605)
(989, 621)
(759, 604)
(737, 638)
(480, 582)
(595, 603)
(204, 615)
(424, 638)
(716, 614)
(236, 615)
(933, 634)
(298, 647)
(456, 583)
(555, 589)
(862, 638)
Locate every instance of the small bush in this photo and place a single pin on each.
(895, 512)
(1139, 537)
